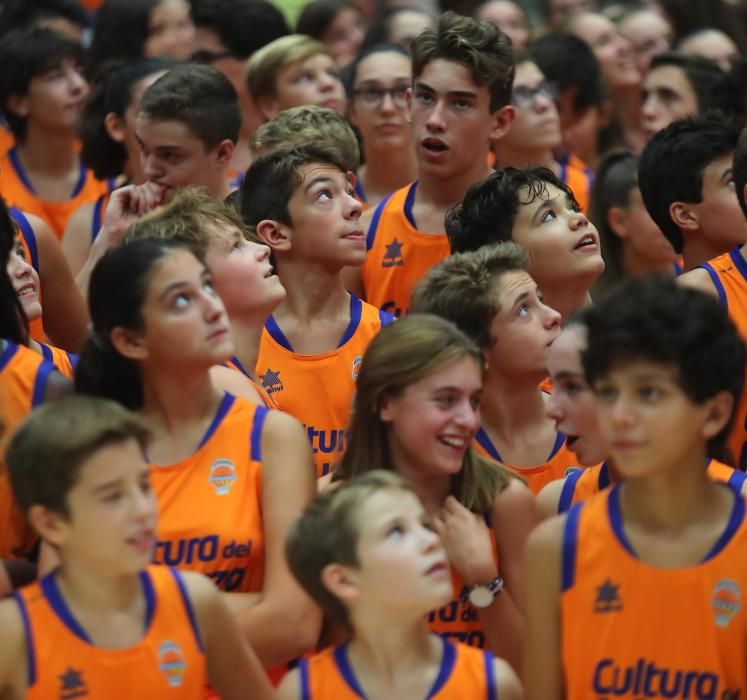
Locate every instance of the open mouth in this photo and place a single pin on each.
(587, 241)
(434, 145)
(453, 441)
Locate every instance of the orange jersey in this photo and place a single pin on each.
(398, 254)
(31, 254)
(210, 511)
(728, 273)
(6, 139)
(319, 389)
(632, 630)
(561, 462)
(64, 361)
(458, 620)
(235, 363)
(464, 673)
(19, 192)
(23, 382)
(579, 177)
(168, 662)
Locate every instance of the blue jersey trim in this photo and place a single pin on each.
(604, 476)
(40, 383)
(385, 318)
(10, 350)
(677, 269)
(260, 414)
(483, 439)
(241, 367)
(490, 685)
(374, 225)
(46, 352)
(225, 406)
(739, 262)
(340, 655)
(409, 201)
(716, 283)
(559, 442)
(356, 311)
(563, 171)
(149, 594)
(736, 480)
(303, 670)
(27, 231)
(30, 655)
(569, 488)
(570, 545)
(271, 326)
(615, 516)
(15, 161)
(735, 520)
(97, 218)
(188, 607)
(51, 592)
(359, 191)
(448, 660)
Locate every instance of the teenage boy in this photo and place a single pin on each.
(537, 210)
(685, 178)
(536, 133)
(42, 90)
(105, 623)
(346, 550)
(301, 203)
(636, 592)
(459, 104)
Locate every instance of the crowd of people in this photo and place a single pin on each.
(385, 350)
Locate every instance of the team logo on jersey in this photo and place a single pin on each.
(271, 381)
(357, 362)
(393, 255)
(570, 471)
(608, 598)
(171, 663)
(222, 476)
(72, 684)
(726, 605)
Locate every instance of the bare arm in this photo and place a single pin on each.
(290, 686)
(507, 682)
(543, 668)
(549, 498)
(234, 382)
(76, 241)
(232, 666)
(12, 651)
(698, 279)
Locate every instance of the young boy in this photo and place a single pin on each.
(291, 71)
(346, 550)
(42, 90)
(489, 295)
(637, 591)
(459, 105)
(301, 203)
(537, 210)
(685, 178)
(104, 623)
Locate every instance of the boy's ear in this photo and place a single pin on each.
(224, 151)
(17, 104)
(504, 118)
(51, 526)
(684, 216)
(274, 234)
(718, 409)
(129, 343)
(616, 221)
(340, 581)
(267, 107)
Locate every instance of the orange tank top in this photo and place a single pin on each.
(31, 255)
(579, 177)
(398, 254)
(23, 382)
(210, 504)
(64, 361)
(458, 620)
(728, 272)
(18, 191)
(168, 662)
(561, 462)
(632, 631)
(319, 389)
(465, 673)
(235, 363)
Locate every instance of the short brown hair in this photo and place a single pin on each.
(298, 126)
(264, 65)
(461, 288)
(475, 44)
(194, 217)
(50, 446)
(328, 532)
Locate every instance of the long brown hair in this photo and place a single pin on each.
(401, 354)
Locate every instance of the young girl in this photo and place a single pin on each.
(109, 146)
(230, 476)
(338, 24)
(416, 412)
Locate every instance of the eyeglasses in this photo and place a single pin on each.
(373, 97)
(207, 57)
(524, 97)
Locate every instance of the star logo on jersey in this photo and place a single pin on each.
(570, 471)
(393, 255)
(72, 684)
(222, 476)
(271, 381)
(171, 663)
(608, 598)
(357, 362)
(726, 602)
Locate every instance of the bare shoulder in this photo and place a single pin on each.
(547, 538)
(514, 499)
(290, 686)
(235, 383)
(549, 497)
(508, 683)
(12, 639)
(698, 279)
(279, 424)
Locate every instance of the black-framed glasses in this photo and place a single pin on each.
(207, 57)
(373, 97)
(523, 96)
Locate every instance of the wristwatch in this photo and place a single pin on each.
(482, 596)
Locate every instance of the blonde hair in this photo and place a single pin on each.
(298, 126)
(265, 64)
(402, 354)
(194, 217)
